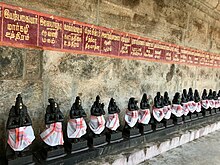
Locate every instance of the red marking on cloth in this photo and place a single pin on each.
(56, 128)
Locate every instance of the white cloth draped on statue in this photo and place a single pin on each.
(205, 104)
(212, 103)
(53, 134)
(113, 122)
(185, 108)
(20, 138)
(158, 113)
(198, 107)
(131, 117)
(217, 103)
(76, 128)
(167, 111)
(192, 106)
(144, 116)
(97, 124)
(177, 110)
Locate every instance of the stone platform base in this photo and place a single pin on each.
(151, 148)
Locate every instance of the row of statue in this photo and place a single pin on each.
(21, 134)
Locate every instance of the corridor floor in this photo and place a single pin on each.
(203, 151)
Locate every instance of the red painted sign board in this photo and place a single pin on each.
(50, 32)
(72, 36)
(92, 39)
(19, 27)
(110, 42)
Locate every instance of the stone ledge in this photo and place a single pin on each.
(139, 154)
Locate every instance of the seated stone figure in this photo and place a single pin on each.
(113, 119)
(20, 131)
(158, 107)
(131, 115)
(76, 126)
(184, 102)
(177, 109)
(97, 120)
(191, 104)
(167, 106)
(197, 101)
(216, 100)
(219, 94)
(205, 102)
(53, 134)
(211, 99)
(144, 112)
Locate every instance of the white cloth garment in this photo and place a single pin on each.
(76, 128)
(198, 107)
(217, 103)
(205, 104)
(212, 103)
(177, 110)
(144, 116)
(185, 108)
(20, 138)
(53, 134)
(97, 124)
(158, 113)
(131, 117)
(192, 106)
(113, 122)
(167, 112)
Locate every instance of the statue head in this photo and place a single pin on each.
(190, 91)
(176, 98)
(184, 92)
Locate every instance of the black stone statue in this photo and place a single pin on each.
(18, 150)
(131, 117)
(184, 98)
(144, 102)
(176, 98)
(166, 99)
(114, 133)
(132, 104)
(158, 101)
(204, 95)
(76, 110)
(97, 108)
(210, 95)
(53, 113)
(158, 104)
(76, 139)
(97, 135)
(18, 116)
(112, 107)
(196, 96)
(219, 93)
(190, 96)
(168, 121)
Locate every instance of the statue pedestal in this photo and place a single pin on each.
(200, 115)
(168, 122)
(207, 112)
(50, 153)
(213, 111)
(97, 140)
(178, 120)
(114, 136)
(129, 132)
(144, 129)
(74, 147)
(186, 118)
(193, 116)
(16, 159)
(158, 125)
(217, 110)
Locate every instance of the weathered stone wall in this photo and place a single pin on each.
(39, 74)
